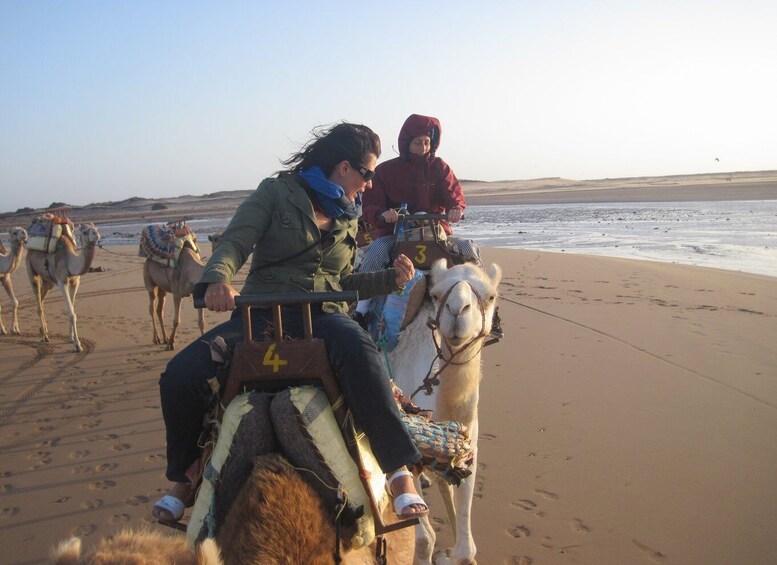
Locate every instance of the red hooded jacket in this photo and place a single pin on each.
(425, 183)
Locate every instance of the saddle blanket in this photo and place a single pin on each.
(46, 230)
(163, 243)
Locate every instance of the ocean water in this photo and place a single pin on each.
(739, 235)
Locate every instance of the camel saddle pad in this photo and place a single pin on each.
(45, 230)
(163, 244)
(310, 439)
(390, 314)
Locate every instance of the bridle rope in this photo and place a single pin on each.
(432, 380)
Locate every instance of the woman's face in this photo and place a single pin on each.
(421, 145)
(348, 176)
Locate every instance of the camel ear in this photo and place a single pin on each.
(495, 274)
(67, 552)
(438, 268)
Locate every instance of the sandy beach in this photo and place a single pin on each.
(629, 415)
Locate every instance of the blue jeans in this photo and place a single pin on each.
(354, 357)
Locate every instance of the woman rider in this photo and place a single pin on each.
(301, 227)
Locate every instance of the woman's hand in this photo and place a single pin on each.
(220, 297)
(405, 269)
(455, 215)
(390, 216)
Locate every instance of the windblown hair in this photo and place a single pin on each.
(342, 142)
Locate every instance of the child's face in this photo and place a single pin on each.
(421, 145)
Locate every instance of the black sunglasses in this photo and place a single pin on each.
(363, 171)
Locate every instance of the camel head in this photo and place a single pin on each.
(214, 239)
(18, 234)
(464, 299)
(88, 233)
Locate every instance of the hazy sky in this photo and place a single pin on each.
(103, 100)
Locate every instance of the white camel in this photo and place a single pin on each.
(9, 262)
(462, 305)
(179, 281)
(62, 268)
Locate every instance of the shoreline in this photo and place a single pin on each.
(760, 185)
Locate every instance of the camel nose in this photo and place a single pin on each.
(457, 310)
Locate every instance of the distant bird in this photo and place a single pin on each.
(718, 160)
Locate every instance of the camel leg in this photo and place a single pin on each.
(70, 309)
(177, 299)
(463, 553)
(40, 289)
(160, 313)
(7, 284)
(425, 537)
(14, 306)
(151, 300)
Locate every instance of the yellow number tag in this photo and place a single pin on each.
(421, 255)
(272, 359)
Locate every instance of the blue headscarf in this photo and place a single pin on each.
(331, 196)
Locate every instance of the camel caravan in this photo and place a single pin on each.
(285, 477)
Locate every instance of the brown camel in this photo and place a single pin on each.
(9, 262)
(62, 268)
(179, 281)
(277, 519)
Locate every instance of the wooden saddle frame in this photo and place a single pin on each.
(275, 364)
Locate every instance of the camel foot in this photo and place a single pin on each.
(2, 331)
(446, 557)
(170, 346)
(16, 331)
(77, 347)
(156, 340)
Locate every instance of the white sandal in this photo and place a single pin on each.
(169, 503)
(403, 501)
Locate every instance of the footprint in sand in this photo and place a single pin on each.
(83, 530)
(578, 526)
(79, 454)
(525, 504)
(62, 499)
(5, 474)
(92, 504)
(546, 494)
(121, 447)
(119, 518)
(519, 560)
(487, 436)
(102, 485)
(81, 469)
(155, 457)
(137, 500)
(89, 424)
(650, 553)
(5, 488)
(8, 512)
(103, 467)
(48, 442)
(519, 532)
(102, 437)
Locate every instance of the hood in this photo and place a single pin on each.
(417, 125)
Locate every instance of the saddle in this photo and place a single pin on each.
(163, 243)
(46, 230)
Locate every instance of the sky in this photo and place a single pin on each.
(105, 100)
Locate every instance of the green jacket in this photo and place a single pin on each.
(277, 222)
